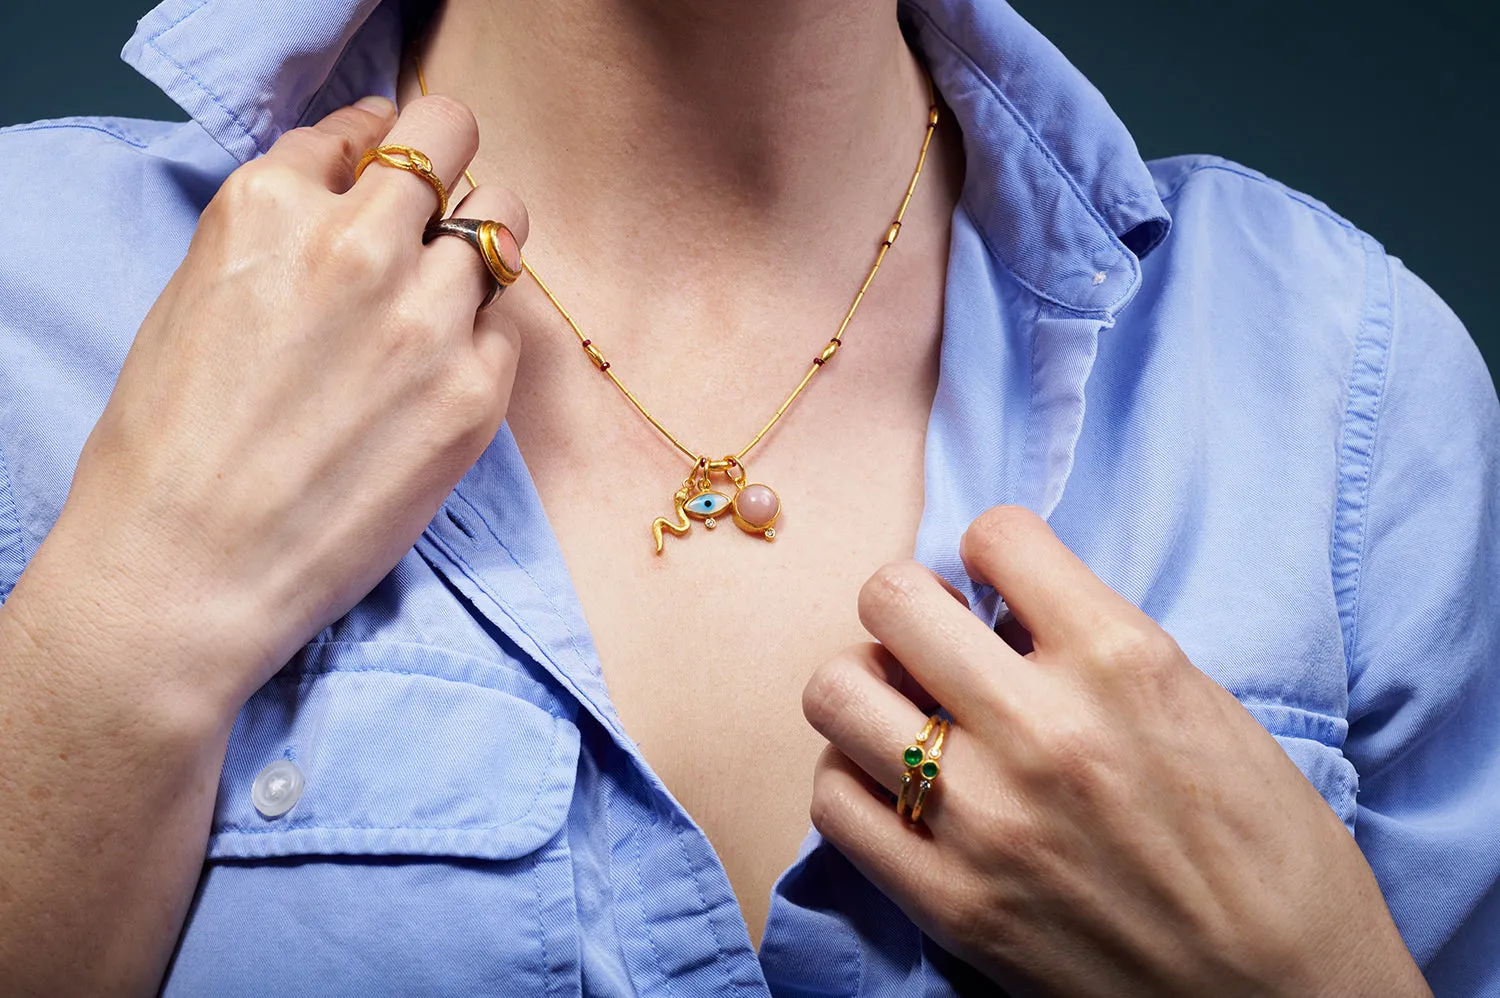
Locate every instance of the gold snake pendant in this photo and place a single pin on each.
(754, 507)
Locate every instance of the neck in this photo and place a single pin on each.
(772, 132)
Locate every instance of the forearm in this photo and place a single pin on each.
(111, 763)
(202, 544)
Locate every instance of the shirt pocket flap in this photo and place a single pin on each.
(397, 763)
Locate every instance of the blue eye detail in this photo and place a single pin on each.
(707, 504)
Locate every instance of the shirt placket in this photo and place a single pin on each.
(493, 544)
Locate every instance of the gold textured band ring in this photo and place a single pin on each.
(922, 768)
(412, 161)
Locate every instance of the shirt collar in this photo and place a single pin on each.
(1054, 182)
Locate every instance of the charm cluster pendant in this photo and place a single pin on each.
(754, 507)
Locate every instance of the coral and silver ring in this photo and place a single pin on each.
(494, 242)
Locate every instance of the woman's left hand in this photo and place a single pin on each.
(1108, 820)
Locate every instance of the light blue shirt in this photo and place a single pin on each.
(1241, 411)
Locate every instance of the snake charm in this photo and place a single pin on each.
(681, 527)
(754, 507)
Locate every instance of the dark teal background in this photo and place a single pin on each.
(1385, 110)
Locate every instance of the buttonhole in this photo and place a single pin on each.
(461, 525)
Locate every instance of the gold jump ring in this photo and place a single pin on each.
(412, 161)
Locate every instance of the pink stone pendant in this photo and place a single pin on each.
(755, 509)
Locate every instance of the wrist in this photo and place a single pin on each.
(1366, 956)
(121, 622)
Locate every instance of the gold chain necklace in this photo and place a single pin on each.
(754, 507)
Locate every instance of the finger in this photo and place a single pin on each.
(952, 590)
(1047, 587)
(947, 649)
(445, 132)
(496, 339)
(856, 816)
(455, 267)
(852, 701)
(326, 152)
(909, 687)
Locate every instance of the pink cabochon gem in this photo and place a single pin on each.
(505, 242)
(757, 505)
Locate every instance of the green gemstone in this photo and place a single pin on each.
(929, 770)
(912, 755)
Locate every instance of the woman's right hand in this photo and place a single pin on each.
(307, 390)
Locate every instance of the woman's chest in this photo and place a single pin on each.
(706, 647)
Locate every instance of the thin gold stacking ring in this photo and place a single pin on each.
(921, 761)
(412, 161)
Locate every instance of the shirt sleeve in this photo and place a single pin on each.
(1423, 637)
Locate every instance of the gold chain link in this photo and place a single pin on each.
(596, 356)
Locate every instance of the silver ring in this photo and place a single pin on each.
(483, 235)
(466, 229)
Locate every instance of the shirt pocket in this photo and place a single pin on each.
(425, 851)
(1315, 742)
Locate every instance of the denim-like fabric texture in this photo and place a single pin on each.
(1234, 405)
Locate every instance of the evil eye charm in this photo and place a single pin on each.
(706, 506)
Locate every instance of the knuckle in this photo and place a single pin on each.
(1072, 749)
(356, 249)
(829, 808)
(1073, 756)
(994, 529)
(820, 809)
(1136, 645)
(449, 113)
(894, 585)
(829, 693)
(506, 206)
(256, 186)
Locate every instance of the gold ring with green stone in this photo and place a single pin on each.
(922, 769)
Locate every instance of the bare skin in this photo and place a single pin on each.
(199, 548)
(201, 545)
(790, 185)
(1107, 819)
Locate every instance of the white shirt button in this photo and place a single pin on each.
(276, 788)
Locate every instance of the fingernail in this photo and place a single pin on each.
(376, 104)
